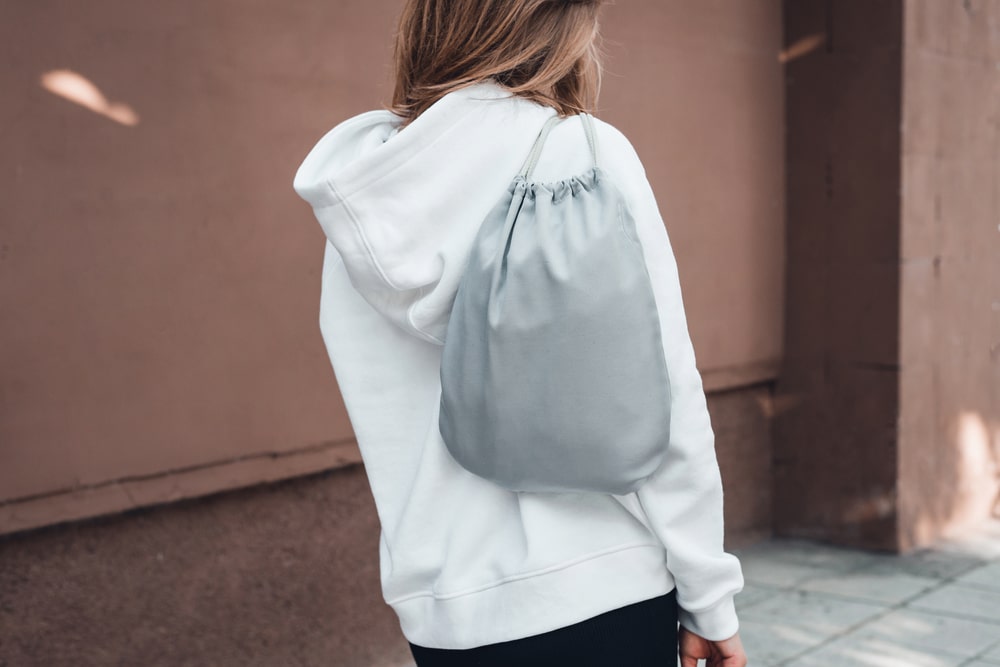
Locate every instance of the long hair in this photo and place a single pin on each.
(544, 50)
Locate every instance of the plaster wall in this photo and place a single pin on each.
(162, 278)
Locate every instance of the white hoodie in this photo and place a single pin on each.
(464, 562)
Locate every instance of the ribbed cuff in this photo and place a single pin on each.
(716, 623)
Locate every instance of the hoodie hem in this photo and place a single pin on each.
(533, 605)
(716, 623)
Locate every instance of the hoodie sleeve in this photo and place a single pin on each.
(683, 500)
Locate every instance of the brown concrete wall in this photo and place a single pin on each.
(698, 88)
(285, 574)
(164, 278)
(158, 277)
(949, 450)
(743, 422)
(837, 397)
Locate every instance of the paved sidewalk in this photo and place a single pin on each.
(810, 605)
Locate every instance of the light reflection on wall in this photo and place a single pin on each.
(800, 48)
(978, 465)
(80, 90)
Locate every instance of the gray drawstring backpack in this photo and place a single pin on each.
(553, 377)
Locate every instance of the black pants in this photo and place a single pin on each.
(639, 635)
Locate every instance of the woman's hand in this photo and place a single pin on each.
(725, 653)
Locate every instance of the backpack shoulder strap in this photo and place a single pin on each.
(536, 151)
(588, 127)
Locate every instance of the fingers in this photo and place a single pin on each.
(724, 653)
(731, 652)
(738, 660)
(689, 661)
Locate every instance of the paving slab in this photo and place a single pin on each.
(963, 601)
(854, 651)
(887, 587)
(820, 614)
(987, 576)
(774, 642)
(753, 594)
(991, 655)
(926, 563)
(947, 635)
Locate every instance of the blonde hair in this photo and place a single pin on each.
(543, 50)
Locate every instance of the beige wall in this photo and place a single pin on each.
(160, 280)
(949, 464)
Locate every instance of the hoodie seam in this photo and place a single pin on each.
(361, 235)
(564, 565)
(418, 329)
(365, 184)
(727, 597)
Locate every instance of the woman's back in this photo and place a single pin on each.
(464, 562)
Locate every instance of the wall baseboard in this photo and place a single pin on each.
(124, 494)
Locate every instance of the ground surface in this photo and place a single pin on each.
(808, 605)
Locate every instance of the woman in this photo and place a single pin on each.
(479, 575)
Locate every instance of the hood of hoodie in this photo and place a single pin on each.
(402, 207)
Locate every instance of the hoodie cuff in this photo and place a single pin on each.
(715, 623)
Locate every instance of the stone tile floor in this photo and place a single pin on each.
(807, 604)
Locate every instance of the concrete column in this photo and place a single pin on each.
(886, 432)
(949, 438)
